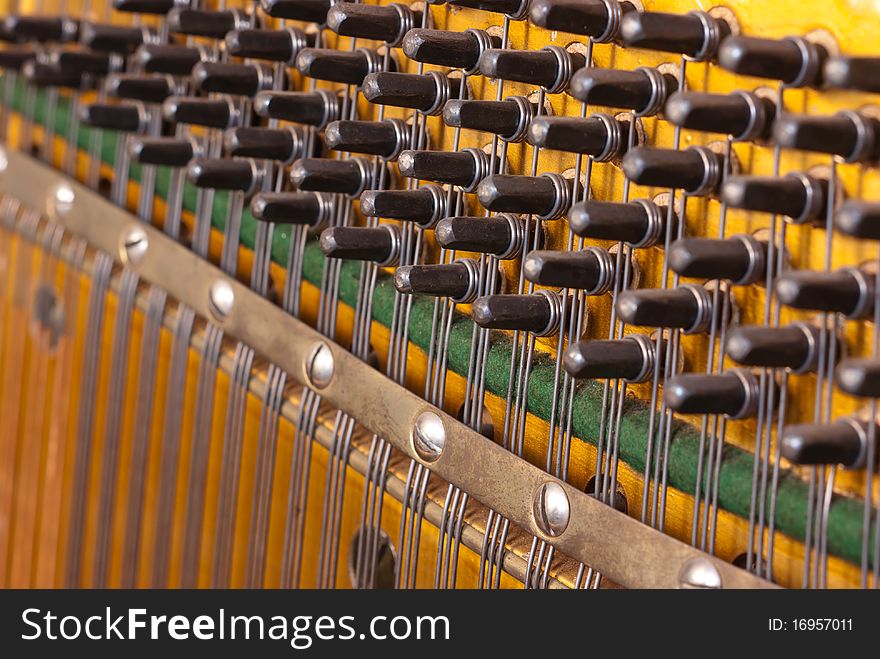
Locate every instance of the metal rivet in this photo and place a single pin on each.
(220, 299)
(320, 365)
(61, 199)
(133, 246)
(429, 436)
(552, 509)
(699, 572)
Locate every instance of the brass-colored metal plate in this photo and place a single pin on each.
(623, 549)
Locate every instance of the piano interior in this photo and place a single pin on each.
(474, 294)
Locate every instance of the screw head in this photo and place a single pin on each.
(133, 245)
(699, 572)
(48, 316)
(220, 299)
(372, 559)
(60, 200)
(429, 436)
(552, 509)
(320, 365)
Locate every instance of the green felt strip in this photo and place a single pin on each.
(845, 515)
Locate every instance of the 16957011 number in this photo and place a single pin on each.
(810, 624)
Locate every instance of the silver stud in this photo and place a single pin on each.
(699, 572)
(429, 436)
(220, 299)
(60, 201)
(134, 245)
(320, 365)
(552, 509)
